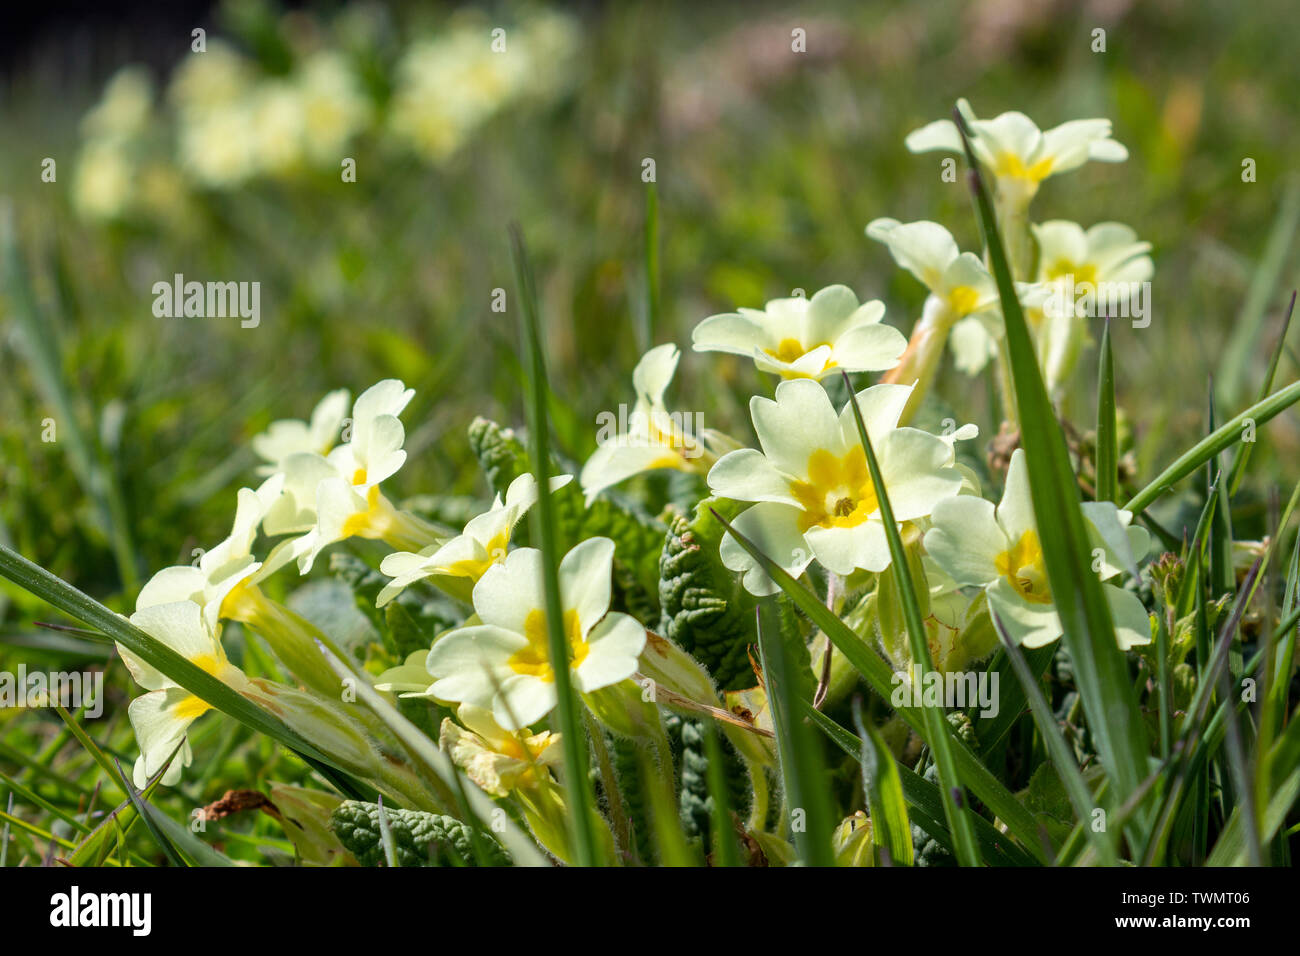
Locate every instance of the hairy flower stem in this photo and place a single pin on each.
(920, 361)
(622, 824)
(291, 636)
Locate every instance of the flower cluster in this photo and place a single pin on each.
(225, 121)
(803, 495)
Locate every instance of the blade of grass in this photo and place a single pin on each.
(386, 835)
(32, 797)
(87, 744)
(1225, 436)
(1057, 749)
(890, 830)
(726, 850)
(1236, 362)
(671, 845)
(1221, 577)
(1193, 725)
(651, 239)
(1239, 460)
(1012, 703)
(802, 770)
(1101, 669)
(97, 479)
(576, 783)
(954, 798)
(169, 849)
(924, 803)
(4, 832)
(879, 676)
(74, 603)
(1242, 778)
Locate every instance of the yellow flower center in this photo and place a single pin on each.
(675, 443)
(370, 523)
(1012, 166)
(838, 492)
(1083, 274)
(475, 568)
(238, 602)
(1023, 568)
(791, 350)
(963, 299)
(359, 476)
(535, 659)
(192, 706)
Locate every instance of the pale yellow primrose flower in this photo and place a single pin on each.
(496, 759)
(333, 106)
(124, 111)
(224, 583)
(221, 580)
(504, 664)
(465, 557)
(999, 549)
(336, 496)
(655, 437)
(963, 298)
(162, 716)
(1018, 154)
(290, 436)
(807, 338)
(814, 495)
(1106, 261)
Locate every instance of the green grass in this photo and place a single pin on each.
(768, 167)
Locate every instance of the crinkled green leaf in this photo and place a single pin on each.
(419, 839)
(705, 609)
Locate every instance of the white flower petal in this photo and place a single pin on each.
(181, 627)
(586, 576)
(941, 135)
(800, 421)
(1028, 624)
(923, 248)
(881, 406)
(613, 649)
(913, 464)
(747, 475)
(652, 374)
(863, 546)
(469, 664)
(160, 720)
(617, 461)
(1132, 623)
(730, 332)
(774, 529)
(523, 700)
(868, 348)
(508, 592)
(178, 583)
(965, 540)
(1016, 510)
(388, 397)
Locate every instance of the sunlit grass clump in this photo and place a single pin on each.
(851, 639)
